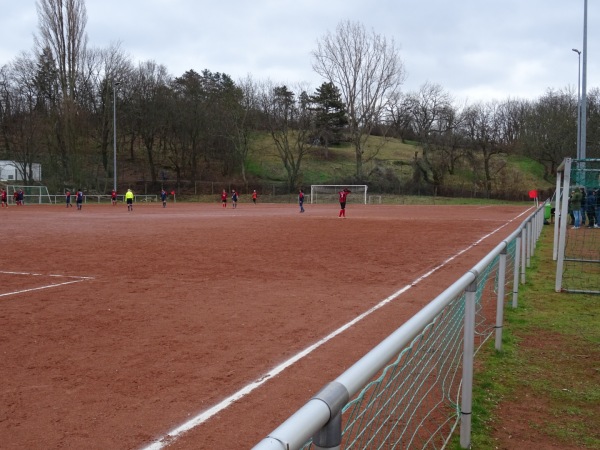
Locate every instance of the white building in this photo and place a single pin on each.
(12, 171)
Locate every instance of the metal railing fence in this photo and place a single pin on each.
(414, 389)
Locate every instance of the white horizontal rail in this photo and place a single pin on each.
(87, 198)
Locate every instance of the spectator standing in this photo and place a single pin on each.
(590, 209)
(575, 200)
(583, 203)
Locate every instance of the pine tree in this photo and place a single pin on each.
(330, 114)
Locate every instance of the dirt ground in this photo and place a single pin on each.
(117, 327)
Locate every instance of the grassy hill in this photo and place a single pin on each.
(322, 166)
(390, 169)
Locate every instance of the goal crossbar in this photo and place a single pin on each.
(31, 194)
(328, 193)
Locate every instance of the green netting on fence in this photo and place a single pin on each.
(414, 402)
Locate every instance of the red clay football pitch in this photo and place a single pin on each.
(118, 327)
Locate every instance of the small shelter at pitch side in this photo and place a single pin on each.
(11, 171)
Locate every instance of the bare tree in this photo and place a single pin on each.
(549, 133)
(23, 124)
(62, 30)
(484, 130)
(62, 33)
(593, 130)
(428, 109)
(400, 117)
(433, 120)
(103, 69)
(289, 121)
(242, 116)
(444, 148)
(150, 97)
(368, 71)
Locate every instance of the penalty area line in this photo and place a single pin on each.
(34, 274)
(175, 433)
(23, 291)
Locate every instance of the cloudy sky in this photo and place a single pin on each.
(475, 49)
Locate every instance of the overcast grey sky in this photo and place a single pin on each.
(475, 49)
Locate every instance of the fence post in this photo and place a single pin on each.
(557, 213)
(500, 299)
(524, 254)
(335, 396)
(467, 375)
(564, 217)
(330, 436)
(529, 242)
(517, 262)
(541, 215)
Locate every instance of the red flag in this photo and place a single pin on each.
(172, 192)
(533, 194)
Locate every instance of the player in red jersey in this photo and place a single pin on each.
(113, 197)
(343, 194)
(224, 198)
(4, 198)
(254, 196)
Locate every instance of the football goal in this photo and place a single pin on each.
(328, 193)
(31, 194)
(577, 242)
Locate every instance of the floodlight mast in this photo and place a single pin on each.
(578, 102)
(584, 85)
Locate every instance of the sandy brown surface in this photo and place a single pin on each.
(184, 306)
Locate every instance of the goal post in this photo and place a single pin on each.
(31, 194)
(576, 237)
(328, 193)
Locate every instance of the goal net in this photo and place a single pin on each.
(576, 234)
(31, 194)
(328, 193)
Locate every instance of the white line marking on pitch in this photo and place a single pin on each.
(33, 274)
(172, 435)
(74, 279)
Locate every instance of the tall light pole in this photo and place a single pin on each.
(584, 85)
(578, 103)
(115, 85)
